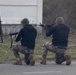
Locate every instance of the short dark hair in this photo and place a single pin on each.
(25, 21)
(59, 20)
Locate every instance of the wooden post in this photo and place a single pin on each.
(1, 33)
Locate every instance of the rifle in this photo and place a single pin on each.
(14, 34)
(46, 27)
(11, 34)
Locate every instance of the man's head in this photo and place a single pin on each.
(25, 21)
(59, 20)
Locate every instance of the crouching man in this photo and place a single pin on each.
(26, 36)
(60, 33)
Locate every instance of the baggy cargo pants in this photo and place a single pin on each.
(59, 53)
(24, 50)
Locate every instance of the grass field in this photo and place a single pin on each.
(6, 51)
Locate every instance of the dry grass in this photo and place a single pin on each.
(6, 52)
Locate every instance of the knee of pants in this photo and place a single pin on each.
(46, 44)
(58, 61)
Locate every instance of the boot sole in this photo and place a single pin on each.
(68, 59)
(32, 62)
(42, 63)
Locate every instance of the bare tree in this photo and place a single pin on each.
(55, 8)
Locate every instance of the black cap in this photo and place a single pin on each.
(25, 21)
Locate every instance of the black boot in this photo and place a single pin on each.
(68, 59)
(43, 61)
(32, 61)
(59, 58)
(27, 61)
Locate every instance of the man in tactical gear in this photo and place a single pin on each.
(26, 36)
(60, 33)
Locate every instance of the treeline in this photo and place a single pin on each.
(55, 8)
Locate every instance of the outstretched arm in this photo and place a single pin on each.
(50, 30)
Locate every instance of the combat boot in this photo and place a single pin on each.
(17, 62)
(27, 61)
(68, 59)
(43, 61)
(32, 61)
(59, 58)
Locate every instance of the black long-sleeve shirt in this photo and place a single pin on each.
(27, 36)
(59, 34)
